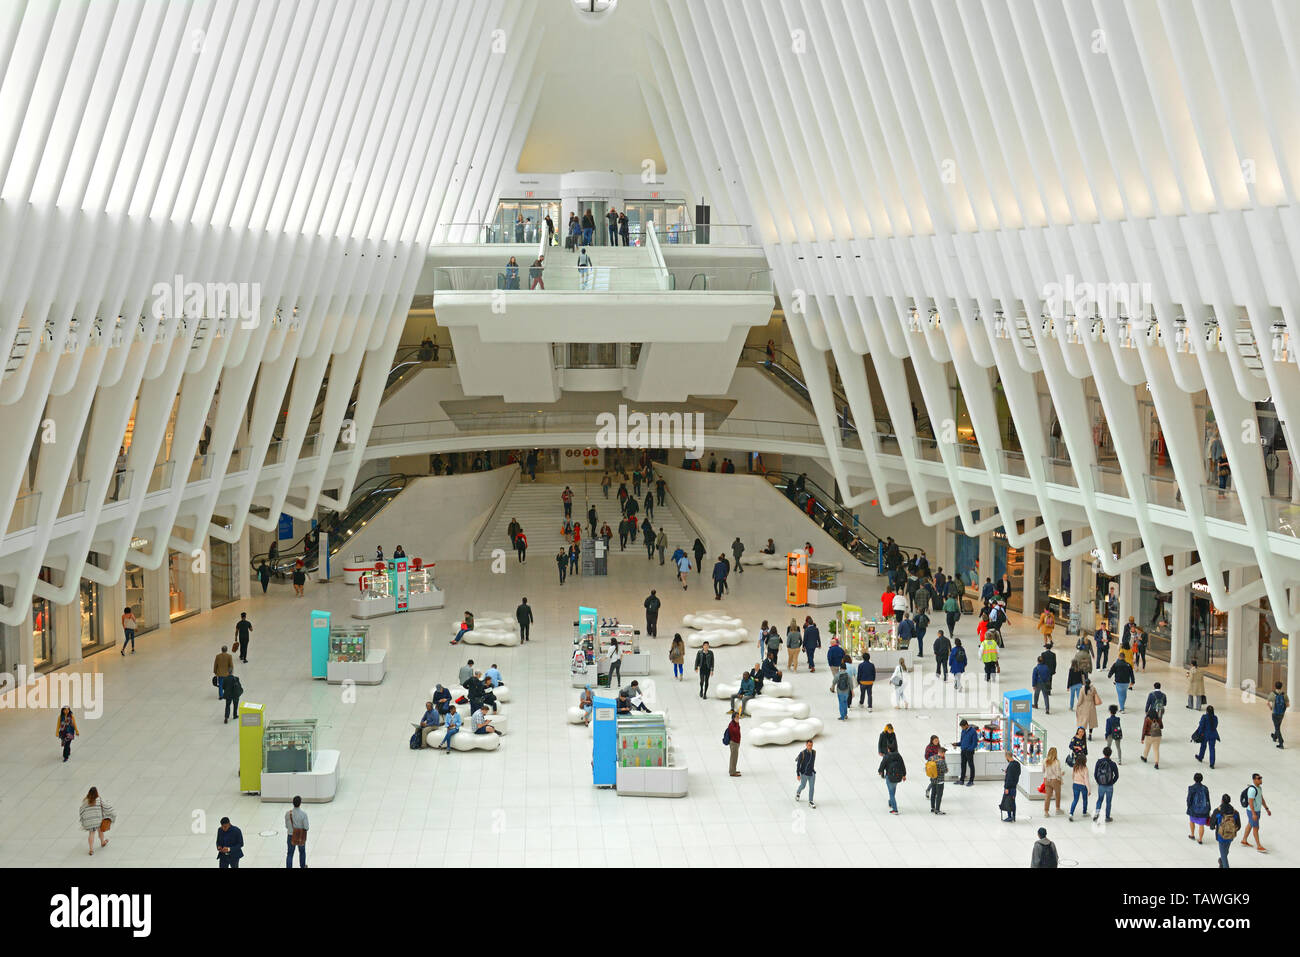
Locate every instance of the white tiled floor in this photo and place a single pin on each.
(161, 754)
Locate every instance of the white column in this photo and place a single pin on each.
(1129, 585)
(1083, 590)
(26, 647)
(1234, 671)
(1180, 615)
(243, 557)
(986, 559)
(157, 597)
(67, 621)
(1028, 578)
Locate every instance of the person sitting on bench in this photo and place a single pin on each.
(479, 722)
(745, 694)
(633, 692)
(623, 705)
(441, 700)
(586, 701)
(770, 670)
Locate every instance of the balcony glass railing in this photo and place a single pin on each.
(1282, 516)
(74, 499)
(721, 279)
(1164, 491)
(1059, 472)
(562, 275)
(161, 476)
(1013, 463)
(1109, 481)
(25, 514)
(715, 234)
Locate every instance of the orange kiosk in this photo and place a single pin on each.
(796, 578)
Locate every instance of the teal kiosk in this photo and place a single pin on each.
(320, 643)
(604, 743)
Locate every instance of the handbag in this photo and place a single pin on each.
(235, 647)
(1042, 788)
(1197, 736)
(215, 681)
(104, 825)
(299, 837)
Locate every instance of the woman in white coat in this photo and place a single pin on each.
(96, 816)
(898, 681)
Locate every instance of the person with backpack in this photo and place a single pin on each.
(805, 770)
(1041, 681)
(1115, 734)
(731, 738)
(905, 631)
(1044, 854)
(898, 681)
(936, 769)
(894, 771)
(1010, 781)
(1153, 728)
(1156, 701)
(1198, 808)
(1207, 734)
(957, 663)
(1252, 799)
(772, 644)
(951, 611)
(1079, 778)
(942, 650)
(1074, 684)
(844, 687)
(1105, 773)
(920, 622)
(1225, 822)
(1278, 702)
(793, 644)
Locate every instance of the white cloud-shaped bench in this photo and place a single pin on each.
(575, 715)
(501, 692)
(758, 559)
(785, 731)
(777, 708)
(467, 740)
(495, 619)
(491, 636)
(771, 689)
(717, 636)
(711, 619)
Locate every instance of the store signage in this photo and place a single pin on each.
(139, 543)
(1201, 586)
(320, 622)
(586, 620)
(400, 582)
(1096, 553)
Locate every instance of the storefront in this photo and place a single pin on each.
(43, 639)
(1207, 639)
(522, 220)
(134, 587)
(1010, 562)
(1155, 609)
(1273, 646)
(966, 554)
(223, 558)
(1106, 598)
(1052, 581)
(94, 636)
(182, 596)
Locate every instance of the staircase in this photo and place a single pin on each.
(539, 510)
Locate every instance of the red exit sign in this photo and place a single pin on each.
(528, 194)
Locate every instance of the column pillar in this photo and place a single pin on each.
(1129, 585)
(67, 621)
(986, 560)
(1083, 588)
(1028, 579)
(243, 559)
(157, 596)
(1180, 615)
(1234, 672)
(202, 583)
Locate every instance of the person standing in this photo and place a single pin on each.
(1105, 773)
(1085, 712)
(243, 634)
(940, 764)
(1080, 781)
(1198, 808)
(1114, 734)
(566, 498)
(524, 615)
(967, 742)
(1122, 672)
(989, 656)
(812, 640)
(96, 816)
(704, 668)
(1195, 687)
(1044, 854)
(230, 845)
(957, 663)
(1207, 734)
(1102, 640)
(866, 680)
(834, 659)
(264, 575)
(295, 825)
(1225, 822)
(652, 604)
(661, 542)
(1053, 778)
(793, 643)
(894, 771)
(731, 738)
(232, 691)
(1153, 728)
(1278, 702)
(66, 729)
(951, 611)
(222, 665)
(737, 549)
(677, 655)
(1041, 681)
(942, 652)
(898, 681)
(521, 546)
(805, 764)
(683, 566)
(615, 663)
(129, 626)
(1256, 806)
(611, 222)
(562, 563)
(1010, 781)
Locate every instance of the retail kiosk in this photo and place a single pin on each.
(352, 659)
(394, 587)
(633, 752)
(990, 751)
(1026, 738)
(319, 643)
(592, 635)
(583, 665)
(278, 759)
(811, 583)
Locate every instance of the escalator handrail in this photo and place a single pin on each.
(839, 512)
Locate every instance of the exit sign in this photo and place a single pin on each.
(654, 195)
(528, 194)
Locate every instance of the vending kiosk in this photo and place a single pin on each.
(604, 743)
(796, 578)
(251, 720)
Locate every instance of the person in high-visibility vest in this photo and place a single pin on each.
(989, 655)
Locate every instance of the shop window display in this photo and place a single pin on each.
(1273, 645)
(221, 567)
(133, 576)
(94, 636)
(1207, 640)
(1155, 608)
(182, 599)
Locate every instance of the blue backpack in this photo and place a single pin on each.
(1279, 702)
(1201, 803)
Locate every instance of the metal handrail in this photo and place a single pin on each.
(490, 518)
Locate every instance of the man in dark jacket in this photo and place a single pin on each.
(652, 614)
(834, 658)
(1122, 672)
(1044, 852)
(805, 770)
(591, 520)
(562, 561)
(1049, 659)
(1105, 772)
(894, 772)
(942, 648)
(719, 578)
(812, 640)
(968, 742)
(738, 549)
(1009, 782)
(866, 679)
(704, 668)
(1041, 682)
(524, 615)
(230, 845)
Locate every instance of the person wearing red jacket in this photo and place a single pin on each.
(521, 546)
(887, 604)
(733, 742)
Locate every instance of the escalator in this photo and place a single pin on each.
(366, 502)
(836, 520)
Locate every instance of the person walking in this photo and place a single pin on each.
(1044, 854)
(521, 547)
(1085, 712)
(1198, 808)
(737, 547)
(1053, 779)
(677, 655)
(989, 656)
(704, 668)
(566, 499)
(222, 665)
(812, 640)
(1122, 672)
(793, 644)
(524, 615)
(866, 680)
(232, 690)
(96, 816)
(295, 826)
(1041, 681)
(1207, 734)
(562, 563)
(1156, 700)
(844, 688)
(1278, 702)
(243, 635)
(1153, 728)
(1114, 735)
(130, 624)
(1046, 624)
(731, 738)
(951, 612)
(719, 578)
(886, 740)
(894, 771)
(957, 663)
(652, 604)
(1256, 806)
(1105, 773)
(230, 845)
(805, 770)
(834, 659)
(1081, 784)
(661, 542)
(898, 681)
(939, 764)
(699, 550)
(299, 578)
(1225, 822)
(65, 730)
(263, 575)
(942, 649)
(683, 566)
(1101, 639)
(1195, 687)
(1010, 781)
(611, 221)
(967, 743)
